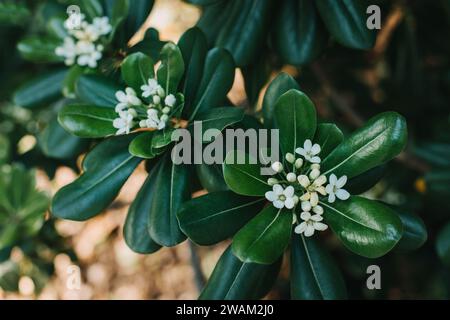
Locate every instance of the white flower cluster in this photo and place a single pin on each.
(133, 111)
(304, 185)
(83, 45)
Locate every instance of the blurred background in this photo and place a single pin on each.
(407, 71)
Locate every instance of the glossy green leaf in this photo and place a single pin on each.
(5, 149)
(70, 81)
(363, 182)
(381, 139)
(299, 34)
(135, 230)
(106, 169)
(314, 274)
(173, 187)
(56, 27)
(97, 90)
(136, 69)
(295, 117)
(328, 136)
(40, 91)
(149, 45)
(91, 8)
(414, 232)
(212, 19)
(366, 227)
(443, 244)
(203, 2)
(40, 49)
(171, 69)
(217, 80)
(200, 217)
(244, 32)
(211, 177)
(256, 75)
(242, 174)
(265, 237)
(138, 13)
(233, 279)
(346, 21)
(216, 118)
(57, 143)
(280, 85)
(87, 121)
(193, 48)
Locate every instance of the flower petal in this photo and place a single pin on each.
(289, 203)
(315, 149)
(320, 226)
(317, 210)
(309, 230)
(316, 218)
(314, 199)
(278, 189)
(307, 145)
(342, 194)
(270, 195)
(300, 151)
(300, 228)
(289, 191)
(341, 182)
(315, 159)
(278, 204)
(333, 179)
(305, 215)
(331, 197)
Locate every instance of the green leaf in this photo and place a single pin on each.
(56, 27)
(328, 136)
(380, 140)
(233, 279)
(443, 244)
(346, 21)
(243, 174)
(365, 181)
(40, 49)
(171, 69)
(5, 149)
(414, 232)
(22, 207)
(91, 8)
(147, 145)
(173, 185)
(264, 239)
(149, 45)
(193, 48)
(70, 81)
(299, 34)
(245, 29)
(256, 76)
(200, 217)
(217, 80)
(135, 230)
(106, 169)
(119, 12)
(97, 90)
(295, 117)
(211, 177)
(136, 69)
(216, 118)
(212, 19)
(280, 85)
(203, 2)
(87, 121)
(56, 143)
(366, 227)
(314, 274)
(138, 12)
(40, 91)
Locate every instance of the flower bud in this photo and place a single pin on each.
(315, 166)
(298, 163)
(272, 181)
(166, 110)
(314, 174)
(303, 180)
(156, 99)
(290, 158)
(291, 177)
(160, 92)
(277, 166)
(164, 118)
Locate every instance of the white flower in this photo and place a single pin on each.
(150, 88)
(102, 26)
(170, 100)
(282, 197)
(309, 151)
(68, 51)
(312, 188)
(310, 224)
(334, 188)
(127, 99)
(153, 119)
(125, 122)
(277, 167)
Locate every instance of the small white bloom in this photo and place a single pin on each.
(101, 25)
(152, 121)
(290, 158)
(298, 163)
(125, 122)
(150, 88)
(310, 224)
(126, 99)
(280, 197)
(291, 177)
(272, 181)
(309, 151)
(334, 188)
(170, 100)
(277, 166)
